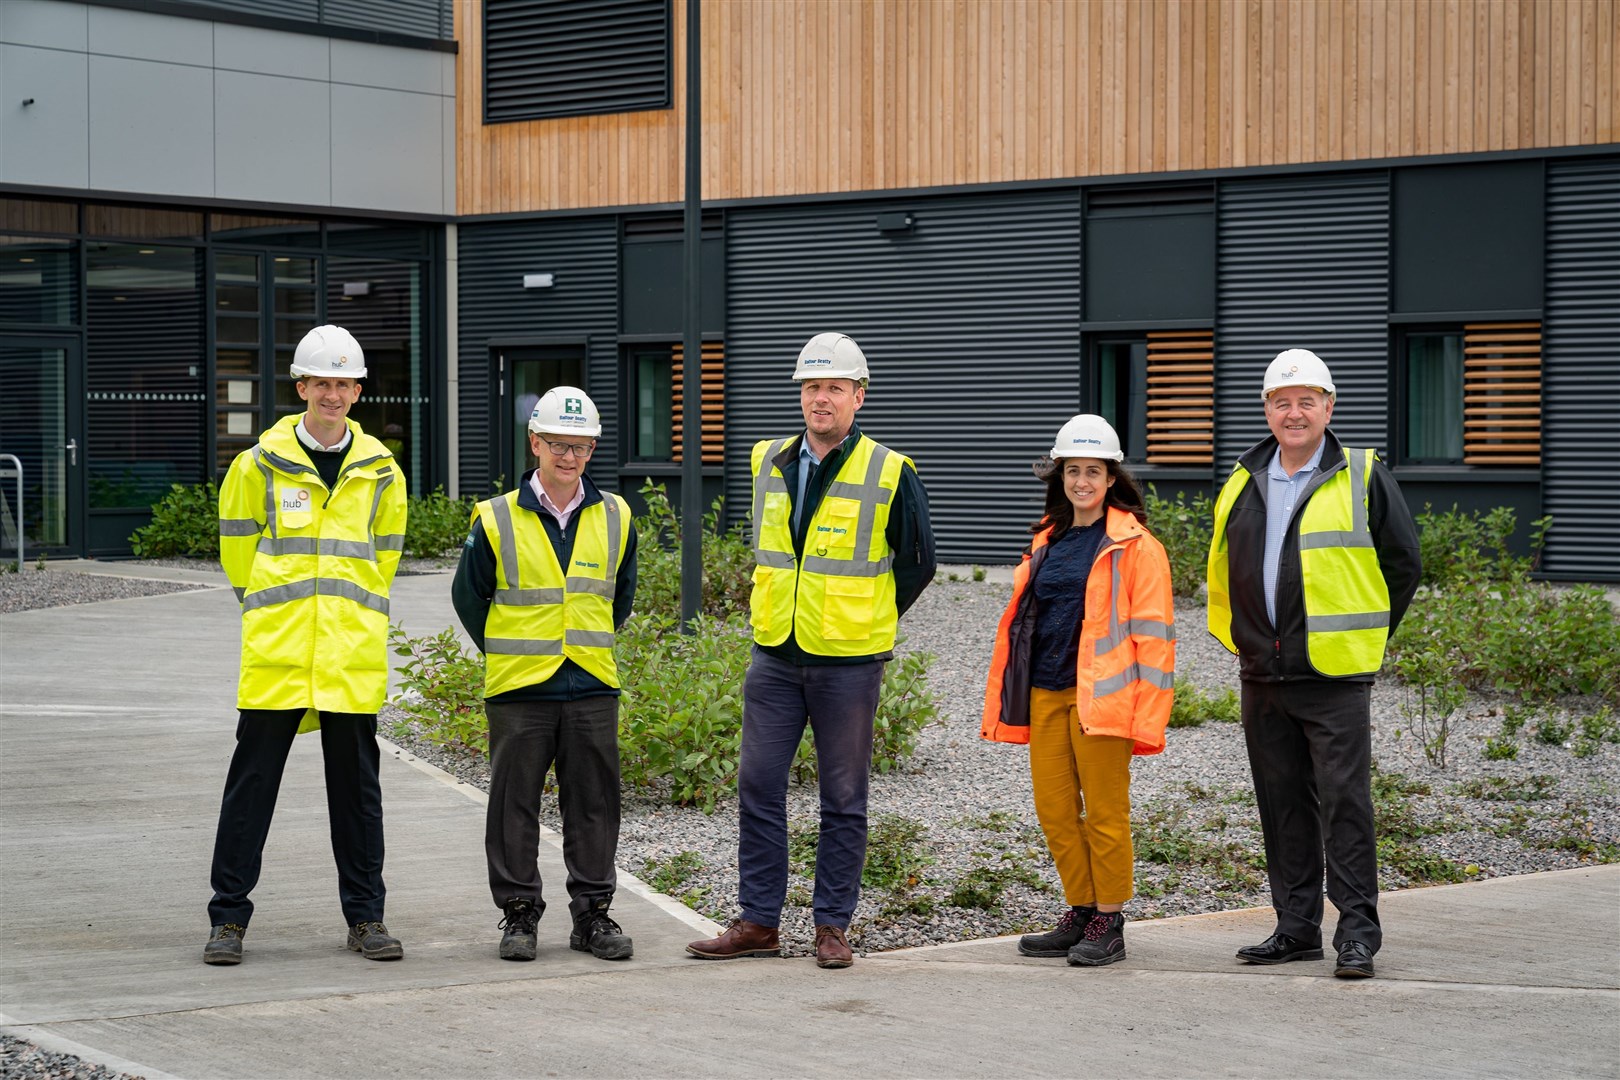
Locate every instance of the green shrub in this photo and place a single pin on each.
(728, 560)
(1192, 706)
(1501, 748)
(905, 707)
(1458, 547)
(442, 689)
(185, 522)
(436, 525)
(1185, 529)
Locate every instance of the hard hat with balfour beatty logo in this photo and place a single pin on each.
(565, 410)
(329, 350)
(831, 356)
(1087, 435)
(1297, 367)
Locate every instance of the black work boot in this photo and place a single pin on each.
(1103, 941)
(372, 941)
(224, 944)
(518, 943)
(599, 935)
(1070, 929)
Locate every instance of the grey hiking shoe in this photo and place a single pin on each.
(224, 944)
(519, 941)
(372, 941)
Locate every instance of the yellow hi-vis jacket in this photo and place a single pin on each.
(541, 615)
(312, 569)
(838, 600)
(1347, 604)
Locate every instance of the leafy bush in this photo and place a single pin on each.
(442, 689)
(905, 707)
(1185, 529)
(184, 522)
(436, 524)
(728, 560)
(1458, 547)
(896, 853)
(1192, 706)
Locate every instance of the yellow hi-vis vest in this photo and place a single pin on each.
(540, 615)
(312, 569)
(840, 600)
(1346, 596)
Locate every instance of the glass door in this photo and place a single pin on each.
(524, 372)
(42, 425)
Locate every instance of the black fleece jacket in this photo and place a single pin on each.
(1268, 653)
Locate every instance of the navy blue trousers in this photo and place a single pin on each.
(349, 751)
(839, 703)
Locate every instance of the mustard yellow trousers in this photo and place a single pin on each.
(1083, 800)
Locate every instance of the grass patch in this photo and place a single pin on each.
(1505, 789)
(1191, 706)
(1163, 836)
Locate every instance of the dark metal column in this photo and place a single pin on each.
(692, 350)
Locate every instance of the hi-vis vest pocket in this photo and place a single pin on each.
(846, 614)
(295, 505)
(776, 509)
(833, 530)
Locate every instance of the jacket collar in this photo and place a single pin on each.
(528, 501)
(285, 452)
(789, 454)
(1257, 458)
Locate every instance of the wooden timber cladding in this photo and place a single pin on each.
(1180, 397)
(804, 96)
(1502, 393)
(713, 411)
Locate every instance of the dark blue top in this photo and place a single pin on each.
(1060, 602)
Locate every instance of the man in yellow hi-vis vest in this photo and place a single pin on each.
(547, 575)
(1313, 561)
(311, 525)
(842, 548)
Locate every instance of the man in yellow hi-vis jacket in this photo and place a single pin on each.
(311, 525)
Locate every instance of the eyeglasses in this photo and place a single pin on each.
(563, 449)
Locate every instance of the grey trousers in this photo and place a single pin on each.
(525, 738)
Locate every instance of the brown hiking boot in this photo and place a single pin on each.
(832, 948)
(742, 938)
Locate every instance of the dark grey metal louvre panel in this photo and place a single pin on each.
(1581, 370)
(302, 10)
(971, 326)
(494, 306)
(419, 18)
(570, 58)
(1302, 262)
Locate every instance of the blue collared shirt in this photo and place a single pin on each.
(1282, 494)
(807, 462)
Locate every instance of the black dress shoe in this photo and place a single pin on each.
(1280, 949)
(1355, 961)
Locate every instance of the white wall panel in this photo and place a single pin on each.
(151, 127)
(139, 35)
(46, 142)
(386, 68)
(271, 52)
(272, 139)
(385, 149)
(44, 23)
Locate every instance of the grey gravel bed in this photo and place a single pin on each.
(973, 801)
(23, 1060)
(34, 589)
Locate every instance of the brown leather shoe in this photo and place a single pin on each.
(832, 949)
(742, 938)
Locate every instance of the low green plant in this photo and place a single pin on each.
(1501, 748)
(1184, 526)
(728, 560)
(1161, 835)
(1432, 696)
(1513, 720)
(897, 854)
(905, 707)
(1416, 865)
(983, 886)
(185, 522)
(1191, 706)
(435, 524)
(1505, 789)
(1551, 732)
(1595, 730)
(978, 573)
(1461, 547)
(674, 875)
(442, 689)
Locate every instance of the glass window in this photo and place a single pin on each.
(1434, 398)
(145, 369)
(1157, 389)
(1122, 393)
(379, 301)
(651, 386)
(38, 281)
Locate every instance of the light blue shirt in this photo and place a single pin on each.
(807, 461)
(1282, 495)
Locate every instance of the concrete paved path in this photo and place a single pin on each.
(116, 725)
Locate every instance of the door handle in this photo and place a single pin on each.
(72, 448)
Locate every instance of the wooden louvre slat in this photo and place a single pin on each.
(1181, 397)
(712, 415)
(1502, 393)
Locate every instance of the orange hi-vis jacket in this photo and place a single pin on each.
(1126, 672)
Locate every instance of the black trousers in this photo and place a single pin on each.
(1310, 750)
(525, 738)
(353, 806)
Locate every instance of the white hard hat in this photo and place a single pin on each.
(329, 350)
(1087, 435)
(1297, 367)
(565, 410)
(831, 356)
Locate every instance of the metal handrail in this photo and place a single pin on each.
(15, 460)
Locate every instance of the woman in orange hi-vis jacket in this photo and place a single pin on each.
(1083, 672)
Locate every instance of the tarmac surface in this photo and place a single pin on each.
(116, 726)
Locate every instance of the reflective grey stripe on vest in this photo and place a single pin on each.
(603, 587)
(376, 500)
(1358, 535)
(239, 593)
(594, 639)
(311, 545)
(527, 597)
(522, 646)
(303, 590)
(390, 542)
(766, 480)
(1164, 680)
(1365, 620)
(593, 586)
(509, 560)
(1119, 631)
(238, 527)
(269, 489)
(870, 493)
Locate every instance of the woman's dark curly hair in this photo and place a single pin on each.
(1124, 493)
